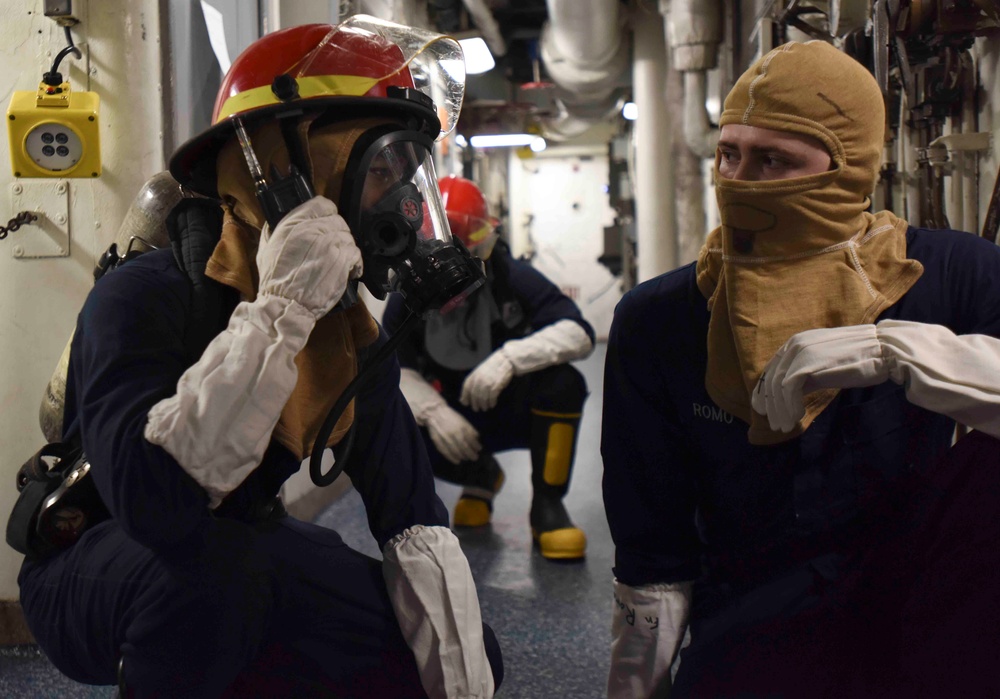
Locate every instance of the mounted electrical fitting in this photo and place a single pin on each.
(61, 11)
(54, 131)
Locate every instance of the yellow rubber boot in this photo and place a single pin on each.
(475, 507)
(553, 443)
(564, 544)
(554, 533)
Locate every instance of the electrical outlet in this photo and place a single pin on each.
(54, 132)
(48, 236)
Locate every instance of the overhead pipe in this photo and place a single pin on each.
(654, 178)
(585, 51)
(484, 20)
(694, 31)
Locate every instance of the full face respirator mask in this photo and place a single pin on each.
(394, 208)
(392, 204)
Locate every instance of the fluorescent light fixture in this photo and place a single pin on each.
(460, 141)
(501, 140)
(630, 111)
(538, 145)
(478, 58)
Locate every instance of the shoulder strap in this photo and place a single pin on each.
(194, 226)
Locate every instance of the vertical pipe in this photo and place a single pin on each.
(970, 161)
(656, 232)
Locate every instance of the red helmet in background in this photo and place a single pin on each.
(360, 67)
(468, 214)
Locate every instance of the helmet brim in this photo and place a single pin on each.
(193, 164)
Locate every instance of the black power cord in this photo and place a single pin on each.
(54, 78)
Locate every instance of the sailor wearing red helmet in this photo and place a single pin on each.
(495, 374)
(198, 384)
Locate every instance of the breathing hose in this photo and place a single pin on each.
(342, 450)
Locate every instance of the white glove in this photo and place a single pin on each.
(559, 343)
(434, 597)
(309, 257)
(647, 627)
(451, 433)
(843, 357)
(482, 387)
(219, 423)
(954, 375)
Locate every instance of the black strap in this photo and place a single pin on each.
(194, 226)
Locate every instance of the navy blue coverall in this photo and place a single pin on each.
(235, 602)
(841, 556)
(527, 302)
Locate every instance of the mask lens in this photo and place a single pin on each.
(400, 183)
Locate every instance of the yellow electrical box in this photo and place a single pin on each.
(54, 132)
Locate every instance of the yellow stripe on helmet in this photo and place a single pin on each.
(309, 86)
(480, 233)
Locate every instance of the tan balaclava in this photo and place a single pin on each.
(799, 253)
(329, 360)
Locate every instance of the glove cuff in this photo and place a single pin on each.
(420, 395)
(561, 342)
(434, 597)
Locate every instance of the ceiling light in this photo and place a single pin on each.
(538, 145)
(630, 111)
(501, 140)
(478, 58)
(460, 141)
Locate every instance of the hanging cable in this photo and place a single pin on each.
(54, 77)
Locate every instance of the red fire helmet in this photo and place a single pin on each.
(357, 68)
(468, 214)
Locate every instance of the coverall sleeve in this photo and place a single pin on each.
(650, 491)
(127, 355)
(975, 273)
(410, 349)
(542, 300)
(389, 467)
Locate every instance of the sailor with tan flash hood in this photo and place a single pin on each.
(757, 454)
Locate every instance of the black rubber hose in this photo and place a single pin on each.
(342, 451)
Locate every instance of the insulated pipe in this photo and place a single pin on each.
(583, 47)
(483, 18)
(694, 31)
(584, 50)
(699, 133)
(656, 232)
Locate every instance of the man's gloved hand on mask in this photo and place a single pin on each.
(309, 257)
(219, 423)
(954, 375)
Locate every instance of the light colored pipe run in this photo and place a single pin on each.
(694, 31)
(656, 231)
(583, 46)
(699, 133)
(970, 164)
(484, 20)
(584, 49)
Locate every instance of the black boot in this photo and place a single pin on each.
(553, 447)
